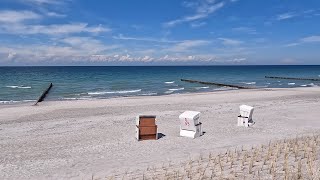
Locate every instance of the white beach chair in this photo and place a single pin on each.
(190, 125)
(146, 128)
(245, 117)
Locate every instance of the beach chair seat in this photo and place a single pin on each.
(190, 126)
(245, 117)
(146, 128)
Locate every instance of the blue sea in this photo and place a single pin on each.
(24, 84)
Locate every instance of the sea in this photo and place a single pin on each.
(26, 84)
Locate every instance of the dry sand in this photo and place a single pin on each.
(75, 139)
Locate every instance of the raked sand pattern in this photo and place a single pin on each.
(78, 139)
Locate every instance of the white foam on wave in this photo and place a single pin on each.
(12, 101)
(249, 83)
(8, 102)
(28, 100)
(19, 87)
(169, 82)
(313, 85)
(168, 92)
(205, 87)
(148, 94)
(82, 98)
(12, 86)
(290, 84)
(114, 92)
(268, 83)
(178, 89)
(224, 88)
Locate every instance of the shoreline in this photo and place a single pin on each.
(75, 139)
(30, 102)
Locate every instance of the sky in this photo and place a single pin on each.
(159, 32)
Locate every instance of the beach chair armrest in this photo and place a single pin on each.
(243, 116)
(198, 124)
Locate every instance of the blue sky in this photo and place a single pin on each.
(159, 32)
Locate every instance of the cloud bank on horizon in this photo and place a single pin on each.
(190, 32)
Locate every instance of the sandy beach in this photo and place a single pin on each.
(78, 139)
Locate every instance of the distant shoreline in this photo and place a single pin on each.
(31, 102)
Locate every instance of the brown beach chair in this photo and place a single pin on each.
(146, 128)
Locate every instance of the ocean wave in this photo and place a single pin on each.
(313, 85)
(12, 101)
(148, 94)
(291, 84)
(76, 98)
(249, 83)
(8, 102)
(205, 87)
(178, 89)
(169, 82)
(224, 88)
(28, 100)
(168, 92)
(19, 87)
(114, 92)
(268, 83)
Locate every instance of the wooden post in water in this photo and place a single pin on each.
(217, 84)
(309, 79)
(43, 95)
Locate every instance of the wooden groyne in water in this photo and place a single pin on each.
(292, 78)
(217, 84)
(44, 94)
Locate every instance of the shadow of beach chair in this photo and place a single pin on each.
(190, 126)
(245, 117)
(146, 128)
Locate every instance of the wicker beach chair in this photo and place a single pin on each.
(245, 117)
(146, 128)
(190, 126)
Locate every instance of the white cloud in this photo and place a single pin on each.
(311, 39)
(86, 44)
(230, 42)
(286, 16)
(66, 55)
(246, 30)
(122, 37)
(53, 29)
(187, 45)
(292, 44)
(238, 60)
(54, 14)
(203, 10)
(75, 48)
(9, 16)
(44, 2)
(197, 24)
